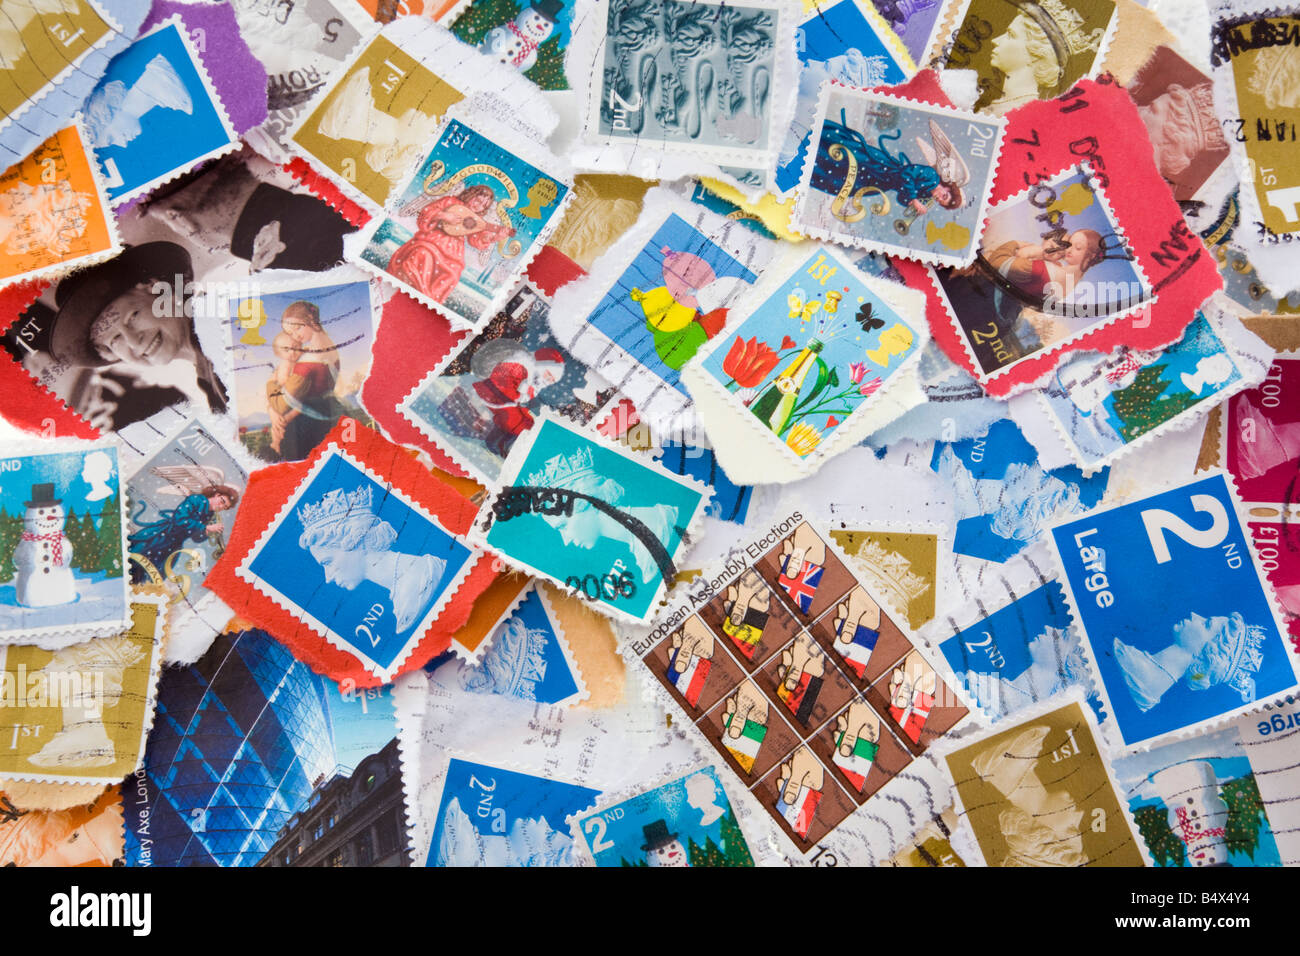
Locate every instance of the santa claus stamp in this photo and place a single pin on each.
(81, 714)
(358, 560)
(602, 521)
(55, 213)
(1178, 621)
(463, 229)
(1025, 50)
(155, 114)
(817, 341)
(1039, 793)
(687, 822)
(62, 544)
(487, 393)
(532, 41)
(862, 186)
(1054, 264)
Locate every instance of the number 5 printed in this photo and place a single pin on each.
(1157, 521)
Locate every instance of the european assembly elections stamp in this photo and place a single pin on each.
(487, 393)
(808, 690)
(1102, 406)
(41, 44)
(1176, 615)
(593, 517)
(54, 212)
(817, 341)
(894, 175)
(1039, 793)
(464, 227)
(1025, 50)
(686, 822)
(358, 560)
(1054, 265)
(62, 540)
(81, 714)
(155, 114)
(1256, 65)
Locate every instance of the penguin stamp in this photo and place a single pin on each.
(62, 544)
(686, 822)
(1180, 627)
(862, 187)
(82, 713)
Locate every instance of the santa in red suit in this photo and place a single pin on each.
(508, 389)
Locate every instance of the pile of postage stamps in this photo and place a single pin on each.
(649, 432)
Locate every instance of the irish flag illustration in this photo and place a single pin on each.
(690, 682)
(799, 815)
(744, 748)
(857, 765)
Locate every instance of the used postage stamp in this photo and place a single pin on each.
(487, 393)
(54, 210)
(1054, 265)
(913, 21)
(532, 41)
(491, 816)
(1024, 50)
(593, 517)
(1040, 794)
(817, 341)
(1270, 740)
(63, 545)
(355, 558)
(1175, 614)
(300, 350)
(660, 293)
(688, 822)
(465, 226)
(901, 565)
(81, 714)
(862, 187)
(155, 114)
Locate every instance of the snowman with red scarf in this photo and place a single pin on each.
(515, 43)
(43, 557)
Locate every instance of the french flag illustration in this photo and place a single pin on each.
(799, 815)
(858, 651)
(857, 765)
(690, 682)
(744, 748)
(802, 584)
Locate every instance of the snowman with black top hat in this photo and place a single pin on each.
(43, 557)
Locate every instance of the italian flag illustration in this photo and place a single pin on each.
(744, 748)
(799, 815)
(857, 765)
(690, 682)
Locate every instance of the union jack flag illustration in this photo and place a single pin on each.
(802, 585)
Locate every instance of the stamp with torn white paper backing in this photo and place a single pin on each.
(660, 292)
(790, 384)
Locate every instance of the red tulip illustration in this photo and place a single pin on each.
(748, 362)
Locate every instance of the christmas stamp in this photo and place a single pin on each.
(593, 517)
(56, 217)
(358, 560)
(1039, 793)
(861, 187)
(487, 393)
(1197, 802)
(155, 114)
(81, 714)
(528, 658)
(492, 816)
(1269, 739)
(1053, 266)
(913, 22)
(659, 293)
(843, 40)
(529, 38)
(1102, 406)
(462, 230)
(687, 822)
(299, 351)
(784, 389)
(62, 517)
(42, 45)
(1176, 616)
(799, 676)
(1024, 50)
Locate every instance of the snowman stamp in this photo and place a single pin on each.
(533, 42)
(686, 822)
(62, 547)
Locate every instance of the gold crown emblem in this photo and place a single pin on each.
(892, 573)
(1077, 37)
(563, 469)
(333, 507)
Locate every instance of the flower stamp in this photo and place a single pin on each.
(464, 227)
(1176, 615)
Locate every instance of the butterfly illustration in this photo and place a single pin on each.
(867, 319)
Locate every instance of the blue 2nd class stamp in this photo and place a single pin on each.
(1174, 610)
(155, 113)
(358, 562)
(62, 557)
